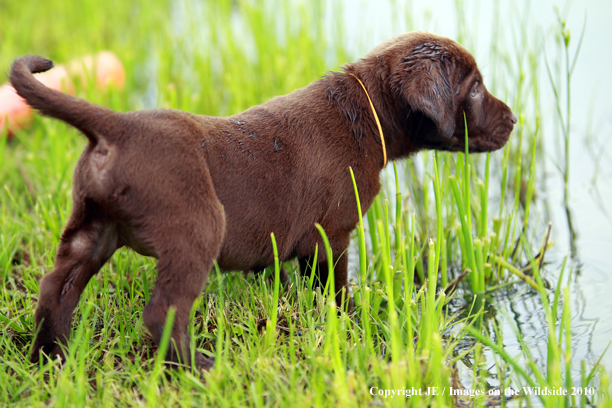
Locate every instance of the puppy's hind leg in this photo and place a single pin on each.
(186, 256)
(87, 242)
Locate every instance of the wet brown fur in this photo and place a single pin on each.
(189, 189)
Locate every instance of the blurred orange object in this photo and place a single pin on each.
(15, 114)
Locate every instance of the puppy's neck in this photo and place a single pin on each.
(347, 95)
(380, 132)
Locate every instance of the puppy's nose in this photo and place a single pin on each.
(513, 118)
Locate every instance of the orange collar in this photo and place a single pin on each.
(382, 139)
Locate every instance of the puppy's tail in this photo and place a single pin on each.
(91, 119)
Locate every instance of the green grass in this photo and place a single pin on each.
(439, 218)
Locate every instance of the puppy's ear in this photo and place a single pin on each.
(426, 85)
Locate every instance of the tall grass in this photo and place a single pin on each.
(440, 218)
(564, 119)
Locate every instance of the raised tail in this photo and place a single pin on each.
(93, 120)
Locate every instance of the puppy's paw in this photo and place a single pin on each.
(350, 306)
(204, 363)
(51, 351)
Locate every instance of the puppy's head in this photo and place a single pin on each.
(438, 83)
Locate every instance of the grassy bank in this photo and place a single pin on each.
(447, 235)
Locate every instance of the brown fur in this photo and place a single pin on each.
(189, 189)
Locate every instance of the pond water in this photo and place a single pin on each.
(590, 198)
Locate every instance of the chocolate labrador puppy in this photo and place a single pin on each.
(190, 189)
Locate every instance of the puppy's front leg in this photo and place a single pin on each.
(343, 296)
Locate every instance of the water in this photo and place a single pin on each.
(590, 197)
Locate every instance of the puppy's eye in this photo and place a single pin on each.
(474, 90)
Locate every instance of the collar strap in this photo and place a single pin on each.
(382, 139)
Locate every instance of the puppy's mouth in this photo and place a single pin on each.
(482, 142)
(491, 142)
